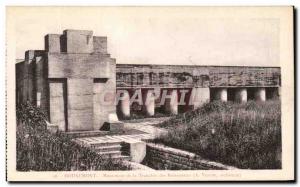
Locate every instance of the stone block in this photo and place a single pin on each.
(114, 127)
(79, 41)
(100, 44)
(80, 65)
(137, 150)
(52, 43)
(29, 55)
(113, 118)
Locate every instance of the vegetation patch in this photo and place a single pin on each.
(242, 135)
(38, 150)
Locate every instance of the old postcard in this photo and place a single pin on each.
(150, 94)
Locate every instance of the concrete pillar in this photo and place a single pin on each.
(221, 94)
(199, 96)
(260, 94)
(171, 102)
(38, 99)
(124, 105)
(148, 102)
(241, 95)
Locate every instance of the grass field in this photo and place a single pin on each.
(38, 150)
(242, 135)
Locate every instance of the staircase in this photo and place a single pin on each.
(111, 146)
(106, 149)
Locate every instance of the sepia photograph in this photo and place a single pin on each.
(150, 93)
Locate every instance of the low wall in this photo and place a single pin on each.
(166, 158)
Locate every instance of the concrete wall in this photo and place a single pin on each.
(243, 76)
(57, 105)
(29, 76)
(129, 75)
(180, 76)
(20, 82)
(102, 111)
(26, 79)
(80, 104)
(166, 158)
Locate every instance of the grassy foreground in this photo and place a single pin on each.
(242, 135)
(38, 150)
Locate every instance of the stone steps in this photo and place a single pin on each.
(109, 154)
(121, 158)
(111, 150)
(78, 134)
(97, 145)
(115, 147)
(108, 148)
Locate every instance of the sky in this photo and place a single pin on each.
(187, 36)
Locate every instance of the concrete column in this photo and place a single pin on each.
(241, 95)
(124, 105)
(199, 96)
(222, 94)
(148, 102)
(260, 94)
(171, 103)
(38, 99)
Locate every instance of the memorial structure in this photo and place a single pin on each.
(80, 87)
